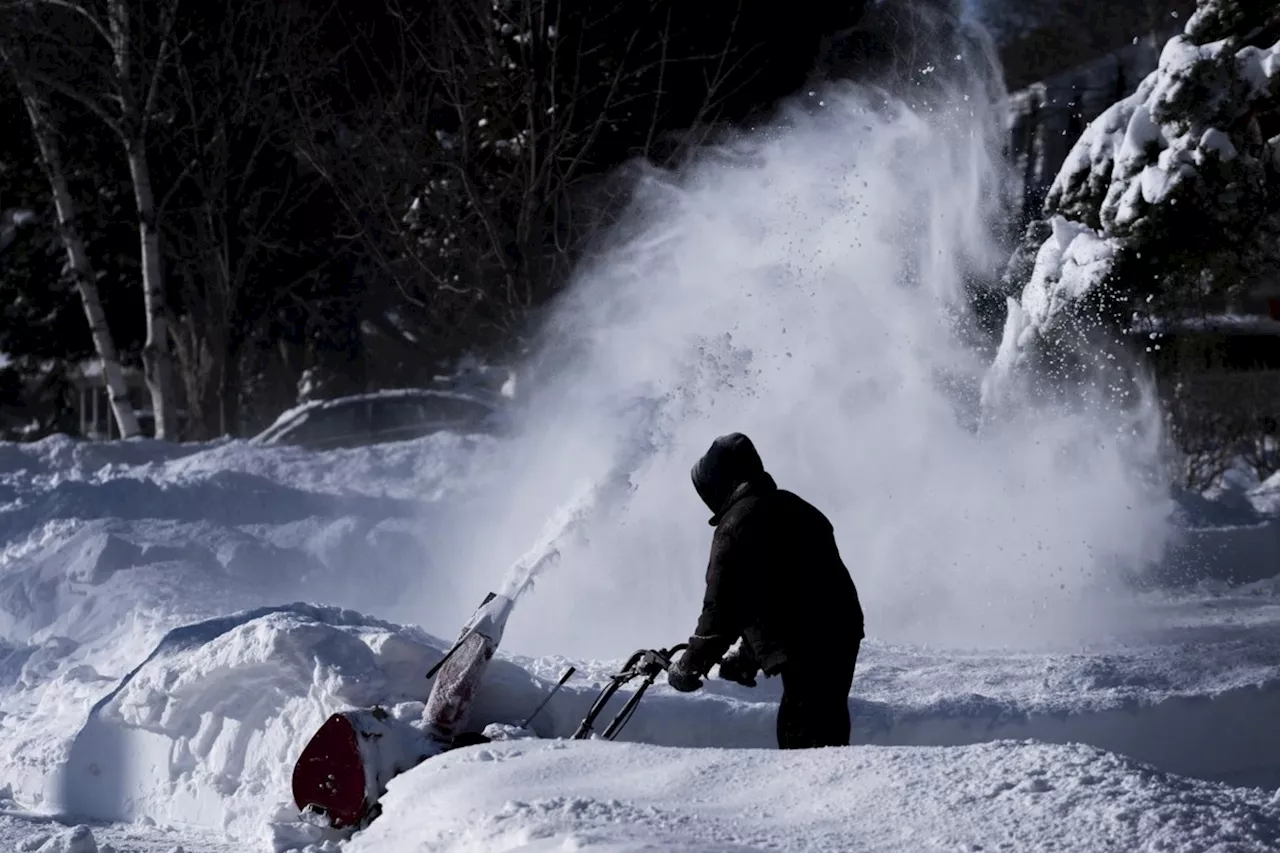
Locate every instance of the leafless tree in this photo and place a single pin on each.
(234, 195)
(110, 57)
(462, 164)
(78, 261)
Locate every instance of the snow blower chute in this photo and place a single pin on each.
(346, 765)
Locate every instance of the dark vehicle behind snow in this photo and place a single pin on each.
(382, 417)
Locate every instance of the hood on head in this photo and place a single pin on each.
(731, 461)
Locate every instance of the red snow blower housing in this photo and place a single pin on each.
(346, 765)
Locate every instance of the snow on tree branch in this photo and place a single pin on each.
(1171, 194)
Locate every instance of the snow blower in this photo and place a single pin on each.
(344, 769)
(346, 765)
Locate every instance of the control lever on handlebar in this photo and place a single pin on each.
(646, 663)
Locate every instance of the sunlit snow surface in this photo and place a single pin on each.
(159, 675)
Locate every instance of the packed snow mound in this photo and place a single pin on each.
(107, 546)
(205, 732)
(536, 796)
(1171, 178)
(207, 729)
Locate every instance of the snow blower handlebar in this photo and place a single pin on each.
(648, 663)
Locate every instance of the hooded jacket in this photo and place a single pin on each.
(775, 577)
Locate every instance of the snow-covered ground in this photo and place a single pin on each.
(994, 796)
(159, 677)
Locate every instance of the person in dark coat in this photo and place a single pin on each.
(775, 580)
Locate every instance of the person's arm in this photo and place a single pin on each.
(722, 618)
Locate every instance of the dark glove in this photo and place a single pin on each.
(740, 667)
(681, 678)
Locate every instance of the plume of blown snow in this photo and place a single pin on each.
(805, 284)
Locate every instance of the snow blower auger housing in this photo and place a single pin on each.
(345, 767)
(645, 663)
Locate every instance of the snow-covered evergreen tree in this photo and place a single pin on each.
(1170, 195)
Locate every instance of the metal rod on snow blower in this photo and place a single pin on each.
(431, 673)
(466, 633)
(567, 674)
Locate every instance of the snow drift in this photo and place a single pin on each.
(104, 548)
(539, 797)
(205, 731)
(144, 679)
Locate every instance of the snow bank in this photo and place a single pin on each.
(1228, 535)
(412, 470)
(206, 730)
(106, 547)
(1189, 696)
(204, 733)
(128, 694)
(529, 795)
(1238, 554)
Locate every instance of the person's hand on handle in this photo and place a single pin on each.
(682, 678)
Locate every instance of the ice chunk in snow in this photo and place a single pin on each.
(78, 839)
(506, 731)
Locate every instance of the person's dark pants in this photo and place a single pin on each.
(814, 711)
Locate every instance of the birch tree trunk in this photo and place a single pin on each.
(156, 355)
(78, 260)
(135, 107)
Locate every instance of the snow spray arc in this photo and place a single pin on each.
(344, 769)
